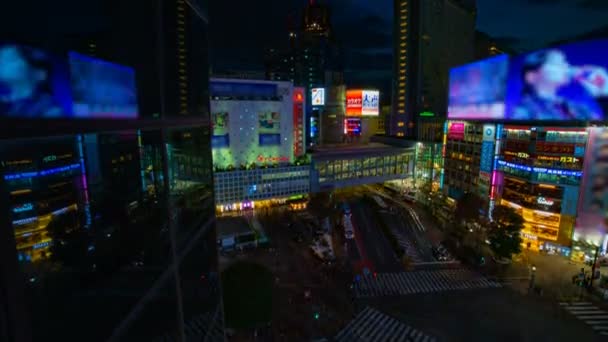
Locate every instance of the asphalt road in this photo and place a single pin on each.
(376, 247)
(405, 224)
(487, 315)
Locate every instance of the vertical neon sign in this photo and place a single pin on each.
(83, 179)
(140, 149)
(443, 149)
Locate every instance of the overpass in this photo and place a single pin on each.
(344, 166)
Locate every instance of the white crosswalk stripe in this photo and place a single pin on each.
(596, 317)
(373, 325)
(424, 281)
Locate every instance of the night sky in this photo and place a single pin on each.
(364, 28)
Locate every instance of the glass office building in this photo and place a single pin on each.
(108, 223)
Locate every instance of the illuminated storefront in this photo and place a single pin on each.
(541, 169)
(234, 188)
(45, 184)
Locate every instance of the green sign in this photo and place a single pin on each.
(427, 114)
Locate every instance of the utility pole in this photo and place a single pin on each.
(597, 249)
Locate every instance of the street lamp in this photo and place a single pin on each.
(532, 278)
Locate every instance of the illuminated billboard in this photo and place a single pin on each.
(477, 90)
(101, 89)
(565, 83)
(318, 96)
(36, 84)
(362, 102)
(33, 83)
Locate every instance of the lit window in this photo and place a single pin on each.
(402, 24)
(400, 124)
(400, 134)
(402, 44)
(402, 91)
(403, 17)
(402, 65)
(401, 98)
(402, 84)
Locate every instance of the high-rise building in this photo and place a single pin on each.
(117, 214)
(405, 64)
(430, 37)
(311, 60)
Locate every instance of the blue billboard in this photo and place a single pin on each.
(564, 83)
(33, 83)
(487, 156)
(37, 84)
(101, 89)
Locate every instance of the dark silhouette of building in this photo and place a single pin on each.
(111, 231)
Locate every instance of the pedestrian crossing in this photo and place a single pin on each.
(373, 325)
(206, 327)
(417, 282)
(590, 314)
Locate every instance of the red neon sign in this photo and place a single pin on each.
(354, 102)
(263, 159)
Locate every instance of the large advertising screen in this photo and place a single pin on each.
(101, 89)
(33, 83)
(318, 96)
(477, 90)
(269, 122)
(36, 84)
(565, 83)
(362, 102)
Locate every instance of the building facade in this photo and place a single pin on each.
(539, 173)
(257, 141)
(116, 214)
(462, 158)
(430, 38)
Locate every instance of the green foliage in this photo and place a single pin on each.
(504, 231)
(247, 290)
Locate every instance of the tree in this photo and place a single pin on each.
(504, 231)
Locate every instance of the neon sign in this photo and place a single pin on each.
(541, 169)
(41, 173)
(49, 159)
(23, 207)
(545, 201)
(263, 159)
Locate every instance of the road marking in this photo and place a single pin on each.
(373, 325)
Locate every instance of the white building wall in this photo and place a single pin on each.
(244, 130)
